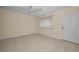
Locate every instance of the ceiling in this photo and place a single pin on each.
(43, 9)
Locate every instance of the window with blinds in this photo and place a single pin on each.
(46, 22)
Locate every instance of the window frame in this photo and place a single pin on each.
(45, 20)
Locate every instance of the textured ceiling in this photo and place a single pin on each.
(44, 9)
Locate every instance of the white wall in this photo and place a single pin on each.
(16, 24)
(56, 31)
(71, 27)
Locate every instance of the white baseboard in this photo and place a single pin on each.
(53, 36)
(16, 35)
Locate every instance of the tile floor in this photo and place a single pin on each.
(37, 43)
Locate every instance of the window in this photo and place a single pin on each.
(46, 22)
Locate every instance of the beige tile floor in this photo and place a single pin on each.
(37, 43)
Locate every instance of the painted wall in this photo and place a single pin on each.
(56, 31)
(71, 27)
(16, 24)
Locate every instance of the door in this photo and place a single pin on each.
(71, 27)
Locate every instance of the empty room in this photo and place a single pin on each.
(39, 29)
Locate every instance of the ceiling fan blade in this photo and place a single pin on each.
(33, 10)
(33, 13)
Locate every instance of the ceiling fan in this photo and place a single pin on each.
(28, 9)
(33, 10)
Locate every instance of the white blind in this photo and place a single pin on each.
(46, 22)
